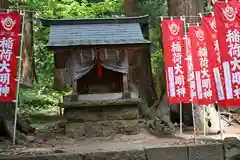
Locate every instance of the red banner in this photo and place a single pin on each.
(206, 92)
(8, 67)
(227, 22)
(191, 78)
(175, 63)
(210, 30)
(9, 49)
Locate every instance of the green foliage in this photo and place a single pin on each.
(155, 9)
(41, 100)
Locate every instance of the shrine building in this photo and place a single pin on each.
(93, 56)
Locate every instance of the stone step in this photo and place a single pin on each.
(190, 152)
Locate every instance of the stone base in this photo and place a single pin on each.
(101, 128)
(101, 118)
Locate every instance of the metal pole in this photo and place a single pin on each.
(204, 122)
(183, 18)
(18, 78)
(181, 123)
(220, 124)
(194, 122)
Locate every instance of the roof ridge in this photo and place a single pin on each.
(138, 19)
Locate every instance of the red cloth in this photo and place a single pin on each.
(99, 70)
(206, 91)
(210, 30)
(175, 63)
(228, 26)
(9, 50)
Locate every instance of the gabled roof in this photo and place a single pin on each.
(87, 32)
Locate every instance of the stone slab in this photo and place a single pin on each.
(96, 113)
(206, 152)
(127, 152)
(168, 153)
(127, 112)
(97, 97)
(109, 103)
(122, 155)
(232, 148)
(46, 157)
(75, 113)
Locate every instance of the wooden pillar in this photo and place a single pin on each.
(59, 70)
(59, 78)
(74, 87)
(126, 93)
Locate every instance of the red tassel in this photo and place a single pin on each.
(99, 70)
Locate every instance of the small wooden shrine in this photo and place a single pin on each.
(94, 55)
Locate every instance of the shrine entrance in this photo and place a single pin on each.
(97, 70)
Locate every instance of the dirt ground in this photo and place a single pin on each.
(49, 138)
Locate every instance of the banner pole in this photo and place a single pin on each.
(181, 120)
(204, 122)
(18, 78)
(194, 122)
(186, 43)
(220, 124)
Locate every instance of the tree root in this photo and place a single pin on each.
(7, 111)
(158, 117)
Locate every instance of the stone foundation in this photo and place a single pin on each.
(194, 152)
(101, 118)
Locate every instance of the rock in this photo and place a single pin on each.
(232, 148)
(58, 151)
(30, 138)
(129, 127)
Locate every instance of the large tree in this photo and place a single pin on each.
(7, 111)
(155, 109)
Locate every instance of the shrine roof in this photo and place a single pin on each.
(139, 19)
(85, 32)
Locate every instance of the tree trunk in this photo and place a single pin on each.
(4, 4)
(152, 108)
(7, 111)
(142, 61)
(28, 74)
(192, 8)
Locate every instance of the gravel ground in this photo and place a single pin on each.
(51, 141)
